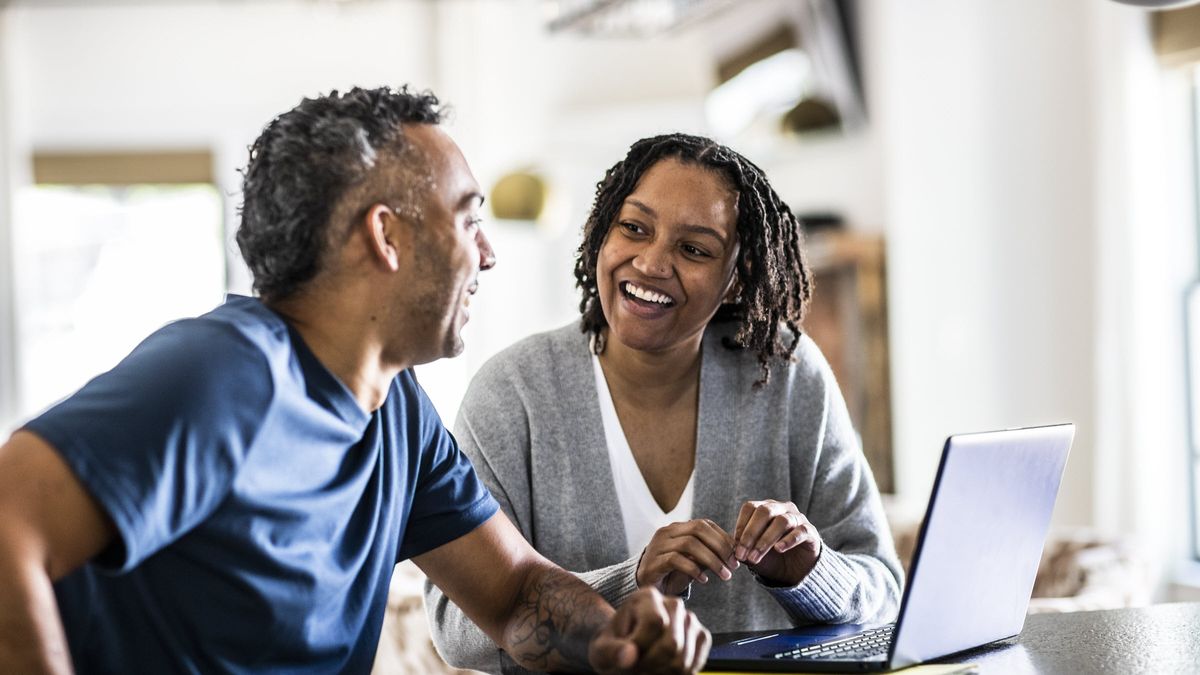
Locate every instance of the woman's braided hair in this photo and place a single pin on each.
(775, 281)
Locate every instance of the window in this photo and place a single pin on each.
(1192, 309)
(98, 267)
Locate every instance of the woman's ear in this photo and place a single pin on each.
(734, 290)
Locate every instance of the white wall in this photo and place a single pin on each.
(986, 113)
(1040, 234)
(8, 376)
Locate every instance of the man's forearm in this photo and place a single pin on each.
(553, 621)
(31, 633)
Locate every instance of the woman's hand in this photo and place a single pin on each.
(776, 541)
(681, 552)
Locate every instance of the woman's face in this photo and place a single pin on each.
(668, 261)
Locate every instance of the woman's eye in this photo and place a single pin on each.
(692, 250)
(632, 228)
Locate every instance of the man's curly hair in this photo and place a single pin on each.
(775, 281)
(302, 165)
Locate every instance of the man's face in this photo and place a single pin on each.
(450, 248)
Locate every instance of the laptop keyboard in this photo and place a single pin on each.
(874, 642)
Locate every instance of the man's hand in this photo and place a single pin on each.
(547, 619)
(776, 541)
(651, 634)
(681, 552)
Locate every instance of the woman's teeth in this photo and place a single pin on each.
(649, 296)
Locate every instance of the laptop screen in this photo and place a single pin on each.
(981, 541)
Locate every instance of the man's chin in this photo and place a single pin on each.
(449, 349)
(454, 346)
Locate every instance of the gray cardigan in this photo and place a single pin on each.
(530, 423)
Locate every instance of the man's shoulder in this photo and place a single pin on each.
(239, 330)
(241, 319)
(233, 348)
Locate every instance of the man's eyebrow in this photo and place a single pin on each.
(465, 202)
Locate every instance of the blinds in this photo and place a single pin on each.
(1177, 35)
(123, 168)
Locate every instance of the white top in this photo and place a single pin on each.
(641, 514)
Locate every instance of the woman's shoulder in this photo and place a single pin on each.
(538, 350)
(539, 362)
(805, 364)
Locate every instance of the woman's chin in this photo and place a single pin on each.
(641, 340)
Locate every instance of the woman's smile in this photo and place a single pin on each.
(644, 301)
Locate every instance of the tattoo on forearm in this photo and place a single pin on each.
(556, 617)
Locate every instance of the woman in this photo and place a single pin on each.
(689, 429)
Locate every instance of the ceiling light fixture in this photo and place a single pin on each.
(626, 18)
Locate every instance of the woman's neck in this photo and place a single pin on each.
(651, 379)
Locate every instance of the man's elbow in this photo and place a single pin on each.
(459, 642)
(22, 554)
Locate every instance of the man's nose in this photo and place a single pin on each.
(487, 255)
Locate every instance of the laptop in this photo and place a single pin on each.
(972, 571)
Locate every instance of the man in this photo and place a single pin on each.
(234, 495)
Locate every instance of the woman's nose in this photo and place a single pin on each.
(653, 261)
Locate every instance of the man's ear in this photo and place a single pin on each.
(387, 235)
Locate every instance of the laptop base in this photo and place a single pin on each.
(731, 651)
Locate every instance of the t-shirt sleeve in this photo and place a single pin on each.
(158, 439)
(450, 500)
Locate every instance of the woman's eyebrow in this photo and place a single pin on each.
(695, 229)
(704, 229)
(649, 211)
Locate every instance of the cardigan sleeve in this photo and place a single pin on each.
(492, 430)
(857, 577)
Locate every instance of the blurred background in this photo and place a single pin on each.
(1001, 196)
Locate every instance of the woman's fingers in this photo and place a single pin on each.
(744, 515)
(708, 545)
(762, 525)
(658, 565)
(794, 538)
(777, 527)
(692, 548)
(700, 553)
(753, 520)
(718, 540)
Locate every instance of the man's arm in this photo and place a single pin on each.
(49, 525)
(547, 619)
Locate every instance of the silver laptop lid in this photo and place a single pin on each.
(981, 541)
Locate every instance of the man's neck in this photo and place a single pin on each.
(652, 379)
(345, 339)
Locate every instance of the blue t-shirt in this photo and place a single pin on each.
(259, 511)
